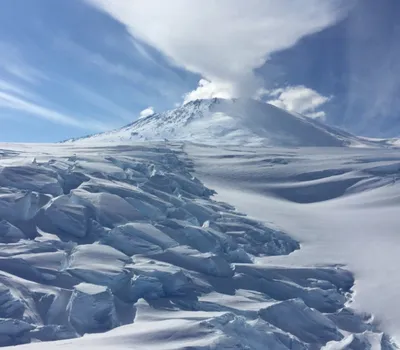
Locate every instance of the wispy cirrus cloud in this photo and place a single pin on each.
(6, 86)
(145, 75)
(14, 97)
(20, 92)
(16, 79)
(107, 106)
(14, 65)
(80, 68)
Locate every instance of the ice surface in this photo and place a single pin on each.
(30, 177)
(9, 233)
(14, 332)
(306, 324)
(91, 309)
(125, 241)
(99, 264)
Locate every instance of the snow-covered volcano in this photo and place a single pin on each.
(238, 122)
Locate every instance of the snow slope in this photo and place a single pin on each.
(240, 122)
(342, 206)
(122, 244)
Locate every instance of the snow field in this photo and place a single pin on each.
(124, 240)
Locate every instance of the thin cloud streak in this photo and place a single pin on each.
(13, 102)
(13, 64)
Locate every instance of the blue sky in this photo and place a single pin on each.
(357, 63)
(74, 67)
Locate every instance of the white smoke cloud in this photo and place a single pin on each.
(146, 112)
(298, 99)
(223, 40)
(206, 90)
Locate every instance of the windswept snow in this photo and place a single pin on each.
(342, 206)
(239, 122)
(124, 241)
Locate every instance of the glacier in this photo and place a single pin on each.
(239, 236)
